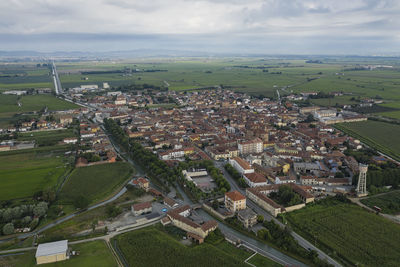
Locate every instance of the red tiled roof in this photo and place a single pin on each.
(235, 195)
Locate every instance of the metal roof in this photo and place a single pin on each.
(52, 248)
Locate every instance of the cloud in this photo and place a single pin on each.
(268, 21)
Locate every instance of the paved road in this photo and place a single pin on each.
(302, 242)
(56, 79)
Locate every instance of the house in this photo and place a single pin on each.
(234, 201)
(252, 146)
(195, 231)
(247, 217)
(170, 202)
(141, 208)
(142, 183)
(255, 179)
(52, 252)
(66, 120)
(285, 179)
(70, 140)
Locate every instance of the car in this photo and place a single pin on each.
(164, 210)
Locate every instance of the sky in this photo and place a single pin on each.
(363, 27)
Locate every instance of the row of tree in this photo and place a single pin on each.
(235, 175)
(21, 216)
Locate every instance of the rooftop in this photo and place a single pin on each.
(52, 248)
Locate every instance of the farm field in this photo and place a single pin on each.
(241, 74)
(358, 236)
(331, 102)
(24, 76)
(94, 253)
(43, 138)
(388, 202)
(261, 261)
(379, 135)
(152, 247)
(30, 103)
(23, 174)
(95, 182)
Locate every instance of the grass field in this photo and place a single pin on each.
(261, 261)
(360, 237)
(388, 202)
(46, 137)
(382, 136)
(23, 174)
(30, 103)
(94, 253)
(151, 247)
(95, 182)
(331, 102)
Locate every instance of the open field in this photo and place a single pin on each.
(331, 102)
(29, 103)
(24, 76)
(23, 174)
(358, 236)
(95, 182)
(43, 138)
(252, 75)
(94, 253)
(261, 261)
(388, 202)
(379, 135)
(152, 247)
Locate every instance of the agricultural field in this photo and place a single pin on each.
(23, 174)
(332, 102)
(261, 261)
(152, 247)
(24, 76)
(388, 202)
(30, 103)
(95, 182)
(43, 138)
(379, 135)
(94, 253)
(355, 235)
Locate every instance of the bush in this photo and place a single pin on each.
(8, 229)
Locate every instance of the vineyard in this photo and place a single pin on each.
(357, 236)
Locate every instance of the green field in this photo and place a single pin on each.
(332, 102)
(23, 174)
(358, 236)
(151, 247)
(42, 138)
(30, 103)
(261, 261)
(388, 202)
(382, 136)
(24, 76)
(95, 182)
(94, 253)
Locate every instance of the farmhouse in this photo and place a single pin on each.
(195, 231)
(52, 252)
(141, 208)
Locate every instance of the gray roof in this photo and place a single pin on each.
(52, 248)
(247, 213)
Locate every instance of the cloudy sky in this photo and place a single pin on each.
(234, 26)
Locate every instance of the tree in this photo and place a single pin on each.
(260, 218)
(81, 202)
(8, 229)
(215, 204)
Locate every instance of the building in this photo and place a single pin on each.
(195, 231)
(241, 165)
(52, 252)
(247, 217)
(141, 208)
(142, 183)
(234, 201)
(255, 179)
(254, 146)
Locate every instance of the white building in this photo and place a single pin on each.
(241, 165)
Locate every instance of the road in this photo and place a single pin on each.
(302, 242)
(56, 80)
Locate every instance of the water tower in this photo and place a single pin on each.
(362, 181)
